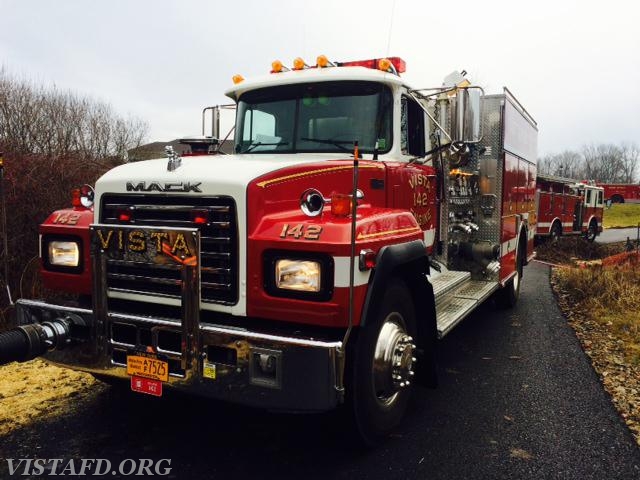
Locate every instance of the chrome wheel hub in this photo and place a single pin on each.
(393, 359)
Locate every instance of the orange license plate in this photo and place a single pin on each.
(147, 367)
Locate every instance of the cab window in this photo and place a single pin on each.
(412, 136)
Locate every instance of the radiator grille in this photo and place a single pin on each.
(219, 245)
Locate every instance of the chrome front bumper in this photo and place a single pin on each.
(222, 362)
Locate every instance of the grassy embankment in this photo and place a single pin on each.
(622, 215)
(601, 298)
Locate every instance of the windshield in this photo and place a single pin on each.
(315, 117)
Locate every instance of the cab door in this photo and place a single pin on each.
(412, 182)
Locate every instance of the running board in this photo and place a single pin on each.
(455, 303)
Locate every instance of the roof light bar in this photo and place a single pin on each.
(397, 63)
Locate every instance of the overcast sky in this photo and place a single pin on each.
(575, 65)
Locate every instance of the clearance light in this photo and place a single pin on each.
(322, 61)
(300, 275)
(64, 254)
(298, 64)
(276, 66)
(237, 79)
(76, 199)
(384, 64)
(367, 260)
(340, 204)
(200, 217)
(124, 215)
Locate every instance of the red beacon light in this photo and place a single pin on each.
(390, 64)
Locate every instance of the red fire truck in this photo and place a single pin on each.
(621, 192)
(358, 220)
(568, 207)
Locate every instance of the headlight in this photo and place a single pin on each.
(299, 275)
(64, 254)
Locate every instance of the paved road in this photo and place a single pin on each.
(617, 235)
(518, 400)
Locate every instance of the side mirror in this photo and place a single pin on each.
(467, 123)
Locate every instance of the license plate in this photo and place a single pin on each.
(146, 385)
(147, 367)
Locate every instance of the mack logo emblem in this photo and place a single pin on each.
(164, 187)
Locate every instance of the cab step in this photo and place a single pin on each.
(459, 301)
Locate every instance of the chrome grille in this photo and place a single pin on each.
(218, 245)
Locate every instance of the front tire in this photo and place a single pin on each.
(383, 366)
(592, 232)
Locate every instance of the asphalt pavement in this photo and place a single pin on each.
(611, 235)
(518, 399)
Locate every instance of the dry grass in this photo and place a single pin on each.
(610, 296)
(573, 250)
(602, 303)
(36, 390)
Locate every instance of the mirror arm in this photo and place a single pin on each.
(411, 94)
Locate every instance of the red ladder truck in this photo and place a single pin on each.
(568, 207)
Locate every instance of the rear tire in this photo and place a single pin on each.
(556, 232)
(382, 375)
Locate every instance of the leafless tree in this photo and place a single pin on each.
(629, 159)
(53, 141)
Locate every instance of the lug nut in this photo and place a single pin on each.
(411, 373)
(414, 359)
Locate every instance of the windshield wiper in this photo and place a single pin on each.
(264, 144)
(336, 143)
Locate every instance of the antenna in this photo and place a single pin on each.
(393, 9)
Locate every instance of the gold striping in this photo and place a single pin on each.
(311, 172)
(388, 232)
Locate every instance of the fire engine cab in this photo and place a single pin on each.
(358, 220)
(568, 207)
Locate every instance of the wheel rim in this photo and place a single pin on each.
(393, 360)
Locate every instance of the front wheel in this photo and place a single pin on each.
(383, 366)
(592, 232)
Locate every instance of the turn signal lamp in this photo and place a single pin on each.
(298, 64)
(367, 260)
(276, 66)
(237, 79)
(76, 200)
(340, 204)
(322, 61)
